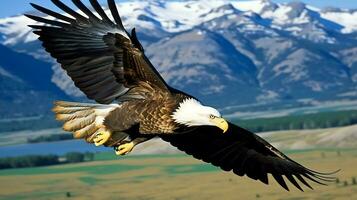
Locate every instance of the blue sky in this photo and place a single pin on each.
(20, 6)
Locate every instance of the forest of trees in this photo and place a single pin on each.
(50, 138)
(44, 160)
(307, 121)
(44, 122)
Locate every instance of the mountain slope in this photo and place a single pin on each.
(212, 66)
(224, 52)
(344, 137)
(25, 85)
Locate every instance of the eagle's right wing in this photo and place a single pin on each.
(100, 56)
(244, 153)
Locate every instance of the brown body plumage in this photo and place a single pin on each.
(152, 114)
(134, 103)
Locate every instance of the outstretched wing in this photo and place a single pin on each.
(246, 154)
(100, 56)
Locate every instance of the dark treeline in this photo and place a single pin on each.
(44, 160)
(75, 157)
(47, 121)
(308, 121)
(28, 161)
(50, 138)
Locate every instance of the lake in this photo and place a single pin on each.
(58, 148)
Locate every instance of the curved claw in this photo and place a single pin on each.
(101, 137)
(124, 148)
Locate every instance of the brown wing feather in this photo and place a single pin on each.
(152, 114)
(102, 59)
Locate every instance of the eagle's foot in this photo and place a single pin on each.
(124, 149)
(102, 136)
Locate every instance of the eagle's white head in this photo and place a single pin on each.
(191, 112)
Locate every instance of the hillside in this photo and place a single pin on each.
(162, 177)
(344, 138)
(25, 84)
(256, 54)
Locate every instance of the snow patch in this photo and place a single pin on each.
(347, 19)
(176, 16)
(268, 96)
(15, 29)
(3, 72)
(314, 85)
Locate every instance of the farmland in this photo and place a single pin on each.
(174, 176)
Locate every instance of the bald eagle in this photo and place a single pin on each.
(135, 104)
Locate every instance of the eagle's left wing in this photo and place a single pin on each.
(100, 56)
(246, 154)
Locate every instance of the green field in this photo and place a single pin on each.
(298, 122)
(170, 177)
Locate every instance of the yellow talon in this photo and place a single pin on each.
(102, 137)
(124, 148)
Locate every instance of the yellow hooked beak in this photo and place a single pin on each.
(220, 123)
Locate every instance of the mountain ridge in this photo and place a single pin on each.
(248, 52)
(25, 84)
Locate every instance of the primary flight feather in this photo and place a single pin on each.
(135, 104)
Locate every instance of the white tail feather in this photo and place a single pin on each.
(67, 110)
(83, 119)
(77, 114)
(79, 123)
(88, 130)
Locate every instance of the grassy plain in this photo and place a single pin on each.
(171, 177)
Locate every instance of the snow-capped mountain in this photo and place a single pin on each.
(346, 18)
(246, 51)
(176, 16)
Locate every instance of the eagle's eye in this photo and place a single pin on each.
(212, 116)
